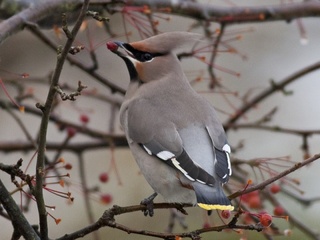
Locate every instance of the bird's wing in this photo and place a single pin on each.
(221, 147)
(202, 146)
(159, 137)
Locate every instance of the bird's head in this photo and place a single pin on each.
(153, 58)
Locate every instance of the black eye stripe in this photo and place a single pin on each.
(143, 56)
(140, 55)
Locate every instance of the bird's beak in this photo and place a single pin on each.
(119, 49)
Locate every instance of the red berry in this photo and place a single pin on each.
(104, 177)
(112, 46)
(265, 219)
(278, 211)
(71, 132)
(106, 198)
(68, 166)
(255, 202)
(84, 118)
(275, 188)
(225, 214)
(246, 197)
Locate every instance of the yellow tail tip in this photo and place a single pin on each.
(215, 206)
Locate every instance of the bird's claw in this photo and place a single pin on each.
(149, 207)
(148, 202)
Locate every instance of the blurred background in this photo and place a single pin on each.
(263, 53)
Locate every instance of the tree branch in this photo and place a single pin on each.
(46, 110)
(275, 87)
(234, 14)
(34, 13)
(118, 139)
(19, 221)
(88, 69)
(107, 220)
(267, 182)
(295, 220)
(199, 11)
(276, 129)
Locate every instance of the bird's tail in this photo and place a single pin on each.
(210, 198)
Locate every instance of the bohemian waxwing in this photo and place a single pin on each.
(174, 133)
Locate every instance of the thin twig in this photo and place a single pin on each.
(213, 78)
(296, 221)
(267, 182)
(231, 15)
(46, 110)
(275, 87)
(276, 129)
(72, 96)
(19, 221)
(108, 219)
(86, 191)
(88, 69)
(118, 139)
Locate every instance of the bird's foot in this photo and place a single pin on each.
(176, 216)
(148, 202)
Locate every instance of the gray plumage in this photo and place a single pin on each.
(173, 132)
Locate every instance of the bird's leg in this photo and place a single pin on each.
(176, 215)
(148, 202)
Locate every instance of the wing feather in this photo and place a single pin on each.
(191, 150)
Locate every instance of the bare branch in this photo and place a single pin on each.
(32, 14)
(46, 109)
(231, 15)
(278, 129)
(267, 182)
(275, 87)
(108, 220)
(88, 69)
(19, 221)
(295, 220)
(64, 96)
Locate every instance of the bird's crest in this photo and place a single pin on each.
(167, 42)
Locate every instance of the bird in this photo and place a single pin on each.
(173, 132)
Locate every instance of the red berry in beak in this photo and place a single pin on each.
(112, 46)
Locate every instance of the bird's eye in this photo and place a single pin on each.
(146, 57)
